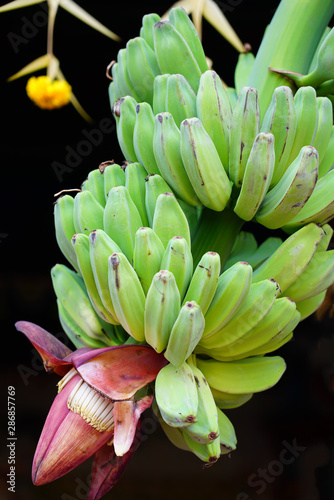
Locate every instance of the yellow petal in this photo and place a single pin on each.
(17, 4)
(39, 63)
(215, 16)
(187, 5)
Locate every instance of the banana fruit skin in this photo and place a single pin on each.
(147, 256)
(64, 227)
(178, 259)
(146, 31)
(162, 307)
(169, 219)
(154, 186)
(243, 70)
(180, 99)
(87, 213)
(176, 395)
(127, 295)
(143, 137)
(113, 176)
(186, 333)
(203, 165)
(135, 175)
(124, 112)
(95, 184)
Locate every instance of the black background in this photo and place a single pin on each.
(299, 409)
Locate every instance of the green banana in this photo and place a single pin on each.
(291, 258)
(113, 175)
(135, 175)
(122, 220)
(185, 335)
(206, 452)
(125, 115)
(159, 93)
(327, 162)
(227, 437)
(309, 306)
(123, 80)
(203, 166)
(142, 67)
(95, 184)
(232, 290)
(147, 256)
(64, 227)
(143, 137)
(169, 219)
(249, 375)
(214, 110)
(146, 30)
(112, 95)
(166, 148)
(243, 70)
(162, 307)
(206, 429)
(225, 400)
(180, 99)
(323, 130)
(257, 305)
(245, 125)
(324, 243)
(204, 282)
(101, 246)
(232, 96)
(178, 260)
(289, 195)
(87, 213)
(281, 120)
(257, 177)
(127, 295)
(154, 186)
(180, 19)
(176, 395)
(174, 54)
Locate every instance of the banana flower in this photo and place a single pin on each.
(96, 411)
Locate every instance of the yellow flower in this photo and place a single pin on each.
(47, 93)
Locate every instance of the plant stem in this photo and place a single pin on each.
(216, 232)
(289, 44)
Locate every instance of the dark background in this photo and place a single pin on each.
(298, 410)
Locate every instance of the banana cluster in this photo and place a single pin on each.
(211, 146)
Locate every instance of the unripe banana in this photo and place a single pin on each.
(227, 437)
(64, 226)
(159, 93)
(257, 177)
(174, 54)
(169, 220)
(178, 259)
(214, 111)
(324, 243)
(114, 176)
(226, 400)
(154, 186)
(324, 126)
(327, 162)
(166, 148)
(95, 184)
(186, 333)
(205, 430)
(125, 115)
(289, 195)
(143, 137)
(142, 67)
(245, 126)
(146, 30)
(180, 19)
(123, 79)
(147, 256)
(243, 70)
(101, 246)
(80, 244)
(122, 220)
(206, 452)
(135, 175)
(203, 166)
(127, 295)
(112, 94)
(233, 287)
(291, 258)
(280, 119)
(245, 376)
(87, 213)
(309, 306)
(180, 99)
(162, 307)
(204, 281)
(176, 395)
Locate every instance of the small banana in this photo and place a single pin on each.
(122, 220)
(135, 175)
(127, 295)
(324, 243)
(309, 306)
(154, 186)
(324, 124)
(178, 260)
(113, 175)
(208, 453)
(232, 290)
(327, 162)
(169, 219)
(146, 31)
(203, 165)
(143, 137)
(186, 333)
(214, 111)
(204, 282)
(245, 126)
(159, 93)
(147, 256)
(176, 395)
(123, 80)
(289, 195)
(64, 226)
(227, 437)
(162, 307)
(87, 213)
(257, 177)
(124, 112)
(180, 99)
(166, 148)
(226, 400)
(243, 70)
(281, 120)
(95, 184)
